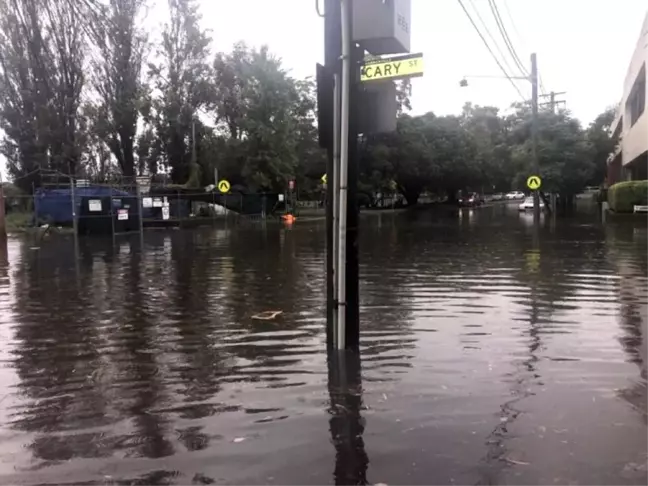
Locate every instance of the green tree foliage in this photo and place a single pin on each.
(565, 154)
(117, 80)
(182, 80)
(43, 49)
(266, 120)
(489, 134)
(485, 152)
(603, 144)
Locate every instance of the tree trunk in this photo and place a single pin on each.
(412, 196)
(128, 161)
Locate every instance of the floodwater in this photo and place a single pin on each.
(490, 355)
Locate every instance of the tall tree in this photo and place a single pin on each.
(266, 117)
(42, 58)
(23, 99)
(603, 142)
(488, 132)
(117, 78)
(564, 153)
(183, 79)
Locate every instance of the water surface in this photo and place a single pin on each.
(490, 355)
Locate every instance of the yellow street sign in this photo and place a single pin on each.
(392, 67)
(534, 182)
(223, 186)
(323, 179)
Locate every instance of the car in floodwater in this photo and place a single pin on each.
(471, 200)
(527, 205)
(511, 196)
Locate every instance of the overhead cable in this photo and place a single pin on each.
(499, 64)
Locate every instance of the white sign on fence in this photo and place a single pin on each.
(147, 202)
(94, 205)
(122, 214)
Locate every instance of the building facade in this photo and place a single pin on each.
(630, 160)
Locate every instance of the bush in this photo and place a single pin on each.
(625, 195)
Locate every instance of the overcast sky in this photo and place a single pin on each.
(583, 46)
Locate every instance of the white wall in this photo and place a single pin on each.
(635, 138)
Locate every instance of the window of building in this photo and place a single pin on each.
(636, 102)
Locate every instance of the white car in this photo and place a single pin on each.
(514, 195)
(527, 205)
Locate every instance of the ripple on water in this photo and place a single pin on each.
(484, 358)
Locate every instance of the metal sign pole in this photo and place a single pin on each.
(332, 51)
(534, 135)
(335, 181)
(344, 167)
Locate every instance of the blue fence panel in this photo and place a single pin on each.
(54, 205)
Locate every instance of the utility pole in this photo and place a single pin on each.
(552, 100)
(332, 53)
(534, 136)
(350, 28)
(342, 57)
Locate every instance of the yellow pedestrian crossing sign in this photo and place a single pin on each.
(224, 186)
(323, 179)
(534, 182)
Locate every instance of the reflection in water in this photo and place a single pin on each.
(634, 310)
(346, 423)
(489, 354)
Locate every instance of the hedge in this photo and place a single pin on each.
(625, 195)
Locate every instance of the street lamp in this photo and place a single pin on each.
(464, 82)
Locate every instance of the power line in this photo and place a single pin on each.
(542, 88)
(492, 38)
(505, 36)
(318, 10)
(510, 17)
(521, 39)
(490, 50)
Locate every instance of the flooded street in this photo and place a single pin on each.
(488, 356)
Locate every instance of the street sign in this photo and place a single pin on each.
(323, 179)
(408, 66)
(534, 182)
(224, 186)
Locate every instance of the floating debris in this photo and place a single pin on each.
(238, 439)
(267, 315)
(519, 463)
